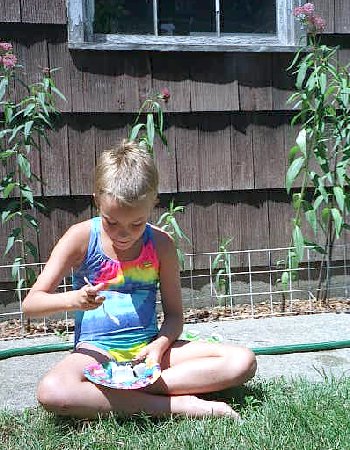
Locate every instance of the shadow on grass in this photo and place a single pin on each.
(240, 397)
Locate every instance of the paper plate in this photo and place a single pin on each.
(122, 375)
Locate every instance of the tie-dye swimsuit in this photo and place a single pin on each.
(127, 320)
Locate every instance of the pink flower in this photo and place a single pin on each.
(165, 94)
(46, 71)
(9, 60)
(318, 23)
(308, 8)
(6, 46)
(307, 17)
(305, 10)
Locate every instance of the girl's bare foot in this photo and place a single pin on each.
(193, 406)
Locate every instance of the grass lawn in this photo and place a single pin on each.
(277, 414)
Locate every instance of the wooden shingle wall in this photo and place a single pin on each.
(228, 127)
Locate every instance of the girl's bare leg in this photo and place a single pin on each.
(200, 367)
(65, 391)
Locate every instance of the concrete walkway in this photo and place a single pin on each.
(19, 375)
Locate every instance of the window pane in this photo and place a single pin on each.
(248, 16)
(184, 17)
(124, 16)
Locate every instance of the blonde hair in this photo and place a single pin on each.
(127, 173)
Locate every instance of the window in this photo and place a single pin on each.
(175, 25)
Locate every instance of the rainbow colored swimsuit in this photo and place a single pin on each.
(127, 320)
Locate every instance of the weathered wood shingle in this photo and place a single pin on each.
(227, 123)
(10, 11)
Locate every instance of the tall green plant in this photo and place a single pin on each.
(145, 131)
(148, 124)
(168, 223)
(222, 268)
(23, 126)
(321, 156)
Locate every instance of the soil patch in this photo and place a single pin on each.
(14, 328)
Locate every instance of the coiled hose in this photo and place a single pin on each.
(273, 350)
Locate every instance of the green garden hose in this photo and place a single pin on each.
(273, 350)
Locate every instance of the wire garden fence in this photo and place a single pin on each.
(244, 285)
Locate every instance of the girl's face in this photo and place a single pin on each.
(123, 224)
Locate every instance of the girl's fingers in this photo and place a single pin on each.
(140, 357)
(99, 286)
(93, 290)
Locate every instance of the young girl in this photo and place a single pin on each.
(118, 260)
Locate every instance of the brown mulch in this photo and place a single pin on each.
(13, 328)
(265, 309)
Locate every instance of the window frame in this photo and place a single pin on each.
(81, 36)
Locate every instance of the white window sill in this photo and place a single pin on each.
(196, 43)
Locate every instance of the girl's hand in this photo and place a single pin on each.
(154, 351)
(88, 298)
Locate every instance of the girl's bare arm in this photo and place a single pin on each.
(170, 289)
(69, 252)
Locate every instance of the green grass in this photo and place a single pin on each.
(277, 414)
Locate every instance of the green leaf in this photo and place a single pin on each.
(160, 121)
(59, 93)
(8, 189)
(32, 249)
(135, 131)
(296, 200)
(181, 258)
(150, 130)
(295, 59)
(322, 189)
(15, 131)
(3, 86)
(329, 91)
(301, 74)
(339, 196)
(28, 109)
(176, 227)
(31, 221)
(298, 242)
(293, 261)
(315, 247)
(285, 280)
(338, 221)
(24, 165)
(293, 172)
(341, 173)
(10, 242)
(292, 153)
(6, 154)
(162, 218)
(27, 128)
(301, 141)
(311, 82)
(20, 284)
(325, 215)
(30, 276)
(28, 195)
(323, 83)
(44, 119)
(8, 112)
(311, 217)
(42, 100)
(217, 261)
(8, 215)
(164, 140)
(16, 267)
